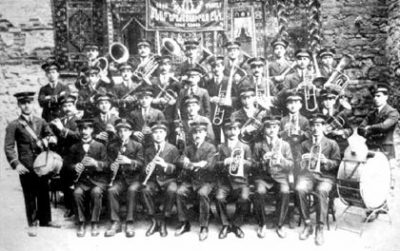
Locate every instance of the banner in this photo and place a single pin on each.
(185, 15)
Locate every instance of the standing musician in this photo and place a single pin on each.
(144, 57)
(301, 72)
(50, 93)
(233, 60)
(327, 65)
(280, 64)
(338, 127)
(191, 88)
(320, 161)
(379, 125)
(294, 126)
(144, 116)
(192, 105)
(105, 120)
(249, 114)
(233, 168)
(272, 164)
(264, 88)
(88, 87)
(218, 87)
(91, 53)
(161, 160)
(166, 88)
(30, 134)
(198, 178)
(66, 130)
(124, 92)
(126, 163)
(89, 160)
(192, 54)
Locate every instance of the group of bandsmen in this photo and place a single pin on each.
(188, 134)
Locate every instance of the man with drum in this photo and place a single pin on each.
(319, 164)
(31, 135)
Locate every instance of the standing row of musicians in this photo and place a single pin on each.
(144, 138)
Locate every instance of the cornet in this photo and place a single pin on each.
(236, 168)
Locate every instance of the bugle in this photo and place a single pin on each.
(236, 167)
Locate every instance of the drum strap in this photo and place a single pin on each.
(354, 171)
(31, 133)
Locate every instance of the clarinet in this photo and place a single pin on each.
(120, 152)
(151, 167)
(86, 150)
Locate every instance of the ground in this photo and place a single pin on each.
(379, 235)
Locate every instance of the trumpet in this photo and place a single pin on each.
(219, 112)
(151, 166)
(246, 135)
(236, 167)
(309, 92)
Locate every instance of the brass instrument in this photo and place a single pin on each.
(312, 160)
(264, 98)
(205, 56)
(236, 167)
(120, 152)
(316, 66)
(246, 136)
(338, 79)
(171, 47)
(309, 92)
(145, 69)
(151, 166)
(225, 95)
(180, 140)
(273, 158)
(118, 53)
(334, 123)
(167, 94)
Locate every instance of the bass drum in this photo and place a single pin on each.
(364, 184)
(47, 162)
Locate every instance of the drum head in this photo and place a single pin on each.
(46, 162)
(375, 181)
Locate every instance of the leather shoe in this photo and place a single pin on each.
(95, 229)
(183, 228)
(238, 231)
(69, 213)
(113, 230)
(307, 231)
(129, 231)
(319, 235)
(371, 217)
(224, 232)
(81, 230)
(281, 231)
(153, 228)
(51, 224)
(261, 231)
(163, 229)
(32, 230)
(203, 233)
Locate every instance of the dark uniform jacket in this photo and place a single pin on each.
(276, 69)
(139, 122)
(127, 173)
(223, 171)
(206, 152)
(331, 150)
(51, 107)
(69, 135)
(173, 86)
(101, 125)
(170, 154)
(250, 81)
(121, 92)
(205, 107)
(292, 80)
(91, 176)
(186, 127)
(27, 149)
(86, 97)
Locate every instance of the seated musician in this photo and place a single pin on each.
(327, 61)
(280, 64)
(338, 127)
(264, 88)
(272, 164)
(192, 105)
(233, 171)
(88, 86)
(66, 130)
(50, 93)
(166, 88)
(247, 113)
(217, 87)
(317, 175)
(105, 120)
(198, 179)
(301, 71)
(124, 92)
(144, 115)
(190, 88)
(126, 163)
(160, 159)
(89, 160)
(235, 59)
(191, 53)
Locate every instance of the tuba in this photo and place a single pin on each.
(236, 168)
(170, 46)
(338, 79)
(118, 53)
(144, 70)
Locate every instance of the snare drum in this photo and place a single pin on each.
(364, 184)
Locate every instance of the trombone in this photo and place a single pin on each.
(309, 92)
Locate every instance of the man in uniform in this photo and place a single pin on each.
(233, 179)
(161, 158)
(126, 158)
(30, 134)
(327, 61)
(318, 174)
(192, 54)
(280, 64)
(241, 68)
(89, 160)
(273, 163)
(50, 93)
(301, 71)
(198, 177)
(105, 119)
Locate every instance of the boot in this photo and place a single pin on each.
(183, 228)
(113, 230)
(203, 233)
(81, 230)
(95, 229)
(163, 229)
(319, 235)
(307, 231)
(224, 232)
(129, 231)
(153, 228)
(261, 230)
(281, 231)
